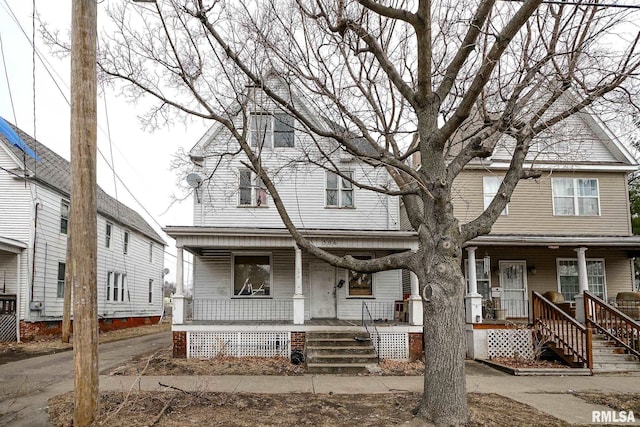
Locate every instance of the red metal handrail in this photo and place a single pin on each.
(569, 336)
(613, 323)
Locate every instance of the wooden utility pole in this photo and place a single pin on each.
(83, 223)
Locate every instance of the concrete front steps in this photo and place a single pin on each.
(608, 358)
(339, 352)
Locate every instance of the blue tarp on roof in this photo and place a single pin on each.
(14, 139)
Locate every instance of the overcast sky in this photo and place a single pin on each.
(141, 158)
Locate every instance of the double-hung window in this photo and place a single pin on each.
(483, 277)
(125, 243)
(271, 130)
(61, 272)
(252, 275)
(260, 131)
(568, 281)
(490, 186)
(575, 196)
(64, 216)
(107, 234)
(339, 190)
(116, 286)
(251, 189)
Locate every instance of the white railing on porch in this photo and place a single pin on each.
(205, 309)
(381, 311)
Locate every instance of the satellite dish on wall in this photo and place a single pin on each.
(194, 180)
(165, 272)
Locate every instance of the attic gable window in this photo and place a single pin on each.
(64, 216)
(575, 196)
(260, 131)
(282, 130)
(339, 190)
(267, 130)
(251, 189)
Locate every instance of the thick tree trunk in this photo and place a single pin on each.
(444, 401)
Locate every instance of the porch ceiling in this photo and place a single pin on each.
(211, 239)
(11, 245)
(621, 242)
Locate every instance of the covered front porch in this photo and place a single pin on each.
(261, 275)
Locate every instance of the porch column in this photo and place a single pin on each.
(473, 300)
(18, 288)
(298, 297)
(583, 284)
(178, 297)
(415, 302)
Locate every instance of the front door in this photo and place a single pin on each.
(323, 290)
(513, 280)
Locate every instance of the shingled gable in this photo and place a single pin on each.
(54, 171)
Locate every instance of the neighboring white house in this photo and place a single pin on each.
(34, 215)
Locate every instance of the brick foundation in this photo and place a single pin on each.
(416, 346)
(297, 341)
(32, 330)
(180, 344)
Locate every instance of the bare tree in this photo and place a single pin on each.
(444, 82)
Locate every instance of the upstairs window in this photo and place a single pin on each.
(64, 216)
(490, 186)
(260, 131)
(107, 235)
(283, 134)
(150, 251)
(150, 300)
(339, 190)
(267, 130)
(251, 189)
(575, 196)
(125, 243)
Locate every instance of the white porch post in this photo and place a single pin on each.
(18, 300)
(583, 284)
(473, 300)
(178, 297)
(415, 302)
(298, 297)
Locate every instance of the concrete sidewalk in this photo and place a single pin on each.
(553, 395)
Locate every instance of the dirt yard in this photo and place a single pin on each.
(242, 409)
(179, 408)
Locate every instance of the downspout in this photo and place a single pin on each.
(33, 259)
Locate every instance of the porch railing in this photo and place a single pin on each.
(381, 311)
(572, 340)
(370, 327)
(205, 309)
(8, 303)
(516, 308)
(616, 325)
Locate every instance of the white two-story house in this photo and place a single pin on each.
(34, 219)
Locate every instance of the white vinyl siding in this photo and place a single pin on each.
(575, 196)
